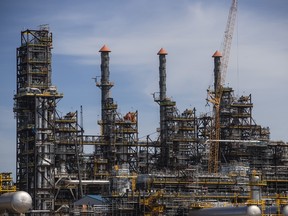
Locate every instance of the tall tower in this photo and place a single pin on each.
(167, 108)
(35, 106)
(108, 110)
(119, 134)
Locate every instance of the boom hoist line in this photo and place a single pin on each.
(215, 97)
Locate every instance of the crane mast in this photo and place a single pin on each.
(219, 80)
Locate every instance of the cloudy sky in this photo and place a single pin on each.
(135, 30)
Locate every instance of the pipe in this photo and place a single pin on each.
(233, 141)
(87, 182)
(15, 202)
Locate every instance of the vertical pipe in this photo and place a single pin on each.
(46, 148)
(80, 188)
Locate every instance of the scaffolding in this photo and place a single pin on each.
(68, 149)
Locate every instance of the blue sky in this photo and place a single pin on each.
(190, 30)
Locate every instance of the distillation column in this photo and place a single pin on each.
(35, 107)
(162, 85)
(108, 110)
(166, 116)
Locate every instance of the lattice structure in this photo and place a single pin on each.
(237, 123)
(6, 183)
(46, 142)
(118, 142)
(168, 175)
(68, 151)
(35, 104)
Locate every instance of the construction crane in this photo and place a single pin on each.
(227, 41)
(220, 75)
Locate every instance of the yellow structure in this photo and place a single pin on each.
(6, 183)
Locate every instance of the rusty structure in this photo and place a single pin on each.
(197, 161)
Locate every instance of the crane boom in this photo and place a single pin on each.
(219, 76)
(227, 41)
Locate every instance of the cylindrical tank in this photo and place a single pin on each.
(253, 210)
(15, 202)
(285, 211)
(231, 211)
(255, 189)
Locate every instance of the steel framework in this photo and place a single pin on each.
(46, 142)
(168, 175)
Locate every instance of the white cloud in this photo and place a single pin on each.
(190, 37)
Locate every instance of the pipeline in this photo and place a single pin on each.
(87, 182)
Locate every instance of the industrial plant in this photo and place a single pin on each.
(219, 163)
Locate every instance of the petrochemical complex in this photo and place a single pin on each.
(222, 163)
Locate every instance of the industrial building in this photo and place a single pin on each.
(224, 159)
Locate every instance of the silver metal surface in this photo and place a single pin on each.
(228, 211)
(15, 202)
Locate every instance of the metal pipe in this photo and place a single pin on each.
(234, 141)
(87, 182)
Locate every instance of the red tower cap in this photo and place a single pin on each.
(105, 49)
(217, 54)
(162, 52)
